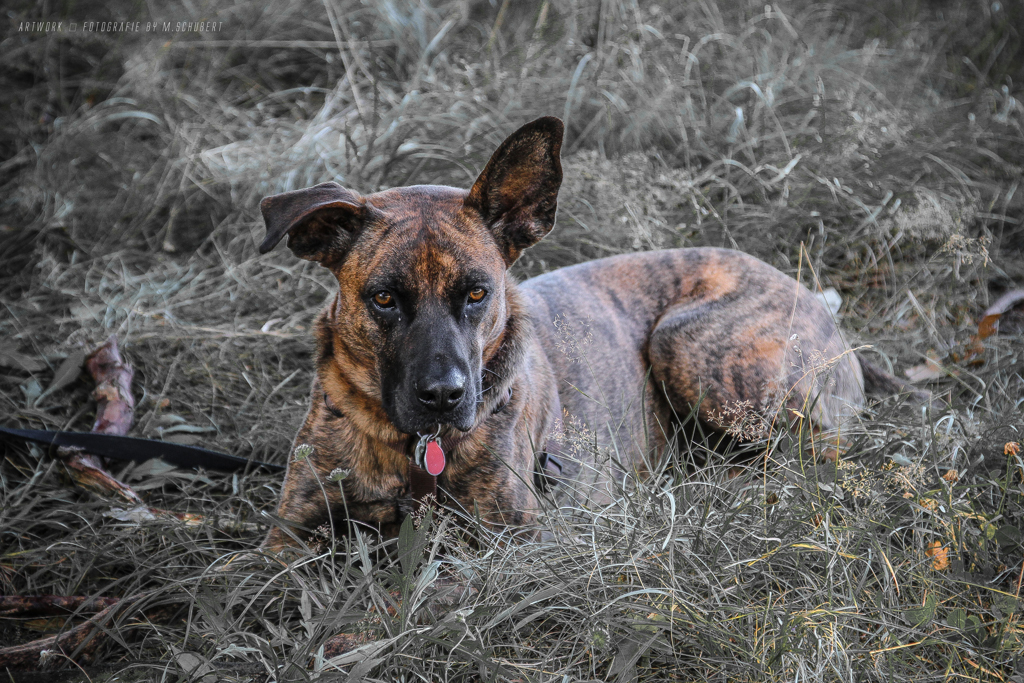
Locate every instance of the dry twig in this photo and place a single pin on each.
(115, 409)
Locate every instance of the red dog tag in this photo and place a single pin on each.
(434, 459)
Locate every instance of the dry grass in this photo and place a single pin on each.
(875, 142)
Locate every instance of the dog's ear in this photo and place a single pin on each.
(320, 221)
(517, 192)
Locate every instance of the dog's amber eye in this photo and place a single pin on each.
(477, 294)
(384, 299)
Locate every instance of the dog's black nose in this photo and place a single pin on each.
(442, 394)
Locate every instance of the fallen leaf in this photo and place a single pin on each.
(150, 468)
(1008, 536)
(901, 460)
(188, 429)
(930, 369)
(137, 514)
(66, 374)
(19, 361)
(989, 324)
(939, 555)
(974, 351)
(832, 299)
(32, 390)
(83, 311)
(918, 616)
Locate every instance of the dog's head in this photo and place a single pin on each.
(421, 274)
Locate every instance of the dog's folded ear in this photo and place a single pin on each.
(517, 192)
(321, 221)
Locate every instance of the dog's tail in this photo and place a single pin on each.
(878, 382)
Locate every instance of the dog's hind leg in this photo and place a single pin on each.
(741, 369)
(699, 362)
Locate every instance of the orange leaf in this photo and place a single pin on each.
(939, 555)
(989, 324)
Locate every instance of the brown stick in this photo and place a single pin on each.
(115, 409)
(79, 642)
(87, 471)
(115, 405)
(50, 605)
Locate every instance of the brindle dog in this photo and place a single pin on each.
(428, 332)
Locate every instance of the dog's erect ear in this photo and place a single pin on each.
(320, 221)
(517, 191)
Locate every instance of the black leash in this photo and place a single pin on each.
(130, 449)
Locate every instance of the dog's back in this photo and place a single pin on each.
(637, 339)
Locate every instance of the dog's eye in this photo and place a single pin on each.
(384, 299)
(477, 294)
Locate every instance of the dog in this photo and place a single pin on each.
(436, 373)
